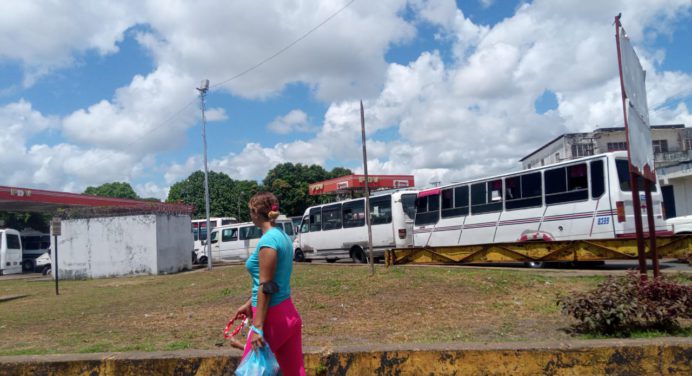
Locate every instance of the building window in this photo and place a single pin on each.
(660, 146)
(582, 150)
(615, 146)
(688, 143)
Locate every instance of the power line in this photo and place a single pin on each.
(257, 65)
(284, 49)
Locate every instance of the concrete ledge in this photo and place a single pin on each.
(664, 356)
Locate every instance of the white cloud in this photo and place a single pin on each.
(294, 121)
(344, 58)
(46, 35)
(139, 118)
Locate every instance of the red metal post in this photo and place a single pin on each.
(652, 228)
(638, 225)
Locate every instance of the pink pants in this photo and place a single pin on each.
(282, 331)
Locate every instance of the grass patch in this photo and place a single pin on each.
(340, 305)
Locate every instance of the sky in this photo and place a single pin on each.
(94, 91)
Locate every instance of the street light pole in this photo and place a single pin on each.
(204, 87)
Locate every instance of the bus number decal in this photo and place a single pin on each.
(603, 220)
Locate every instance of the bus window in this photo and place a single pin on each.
(353, 213)
(566, 184)
(229, 235)
(288, 228)
(523, 191)
(624, 177)
(226, 222)
(428, 210)
(331, 217)
(408, 203)
(455, 201)
(304, 225)
(250, 232)
(486, 197)
(597, 183)
(315, 219)
(381, 210)
(212, 237)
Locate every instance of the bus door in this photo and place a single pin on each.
(381, 221)
(523, 208)
(486, 207)
(569, 213)
(403, 215)
(231, 248)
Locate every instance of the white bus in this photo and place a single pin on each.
(10, 252)
(337, 230)
(586, 198)
(237, 241)
(199, 231)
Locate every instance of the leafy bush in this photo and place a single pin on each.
(623, 304)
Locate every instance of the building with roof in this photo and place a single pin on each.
(110, 237)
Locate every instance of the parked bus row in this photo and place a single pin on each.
(587, 198)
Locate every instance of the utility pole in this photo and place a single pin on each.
(204, 87)
(367, 190)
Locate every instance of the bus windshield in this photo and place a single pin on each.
(408, 203)
(624, 177)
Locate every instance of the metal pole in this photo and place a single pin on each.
(652, 228)
(207, 247)
(55, 267)
(638, 226)
(367, 190)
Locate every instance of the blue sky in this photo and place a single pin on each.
(452, 90)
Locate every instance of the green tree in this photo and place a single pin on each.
(116, 189)
(290, 182)
(227, 197)
(21, 221)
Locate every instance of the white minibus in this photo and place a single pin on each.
(199, 231)
(586, 198)
(237, 241)
(337, 230)
(10, 252)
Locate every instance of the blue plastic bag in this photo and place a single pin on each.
(260, 362)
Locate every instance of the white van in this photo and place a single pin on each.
(235, 242)
(10, 252)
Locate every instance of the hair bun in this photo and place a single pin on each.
(273, 214)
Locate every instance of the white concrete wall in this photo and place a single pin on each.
(117, 246)
(174, 242)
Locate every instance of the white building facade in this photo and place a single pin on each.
(672, 156)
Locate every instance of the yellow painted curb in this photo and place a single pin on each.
(665, 356)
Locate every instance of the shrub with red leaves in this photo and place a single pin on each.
(623, 304)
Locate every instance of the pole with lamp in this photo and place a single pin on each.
(204, 87)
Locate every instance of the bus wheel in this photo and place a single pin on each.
(46, 270)
(299, 256)
(194, 258)
(535, 264)
(203, 260)
(358, 256)
(27, 265)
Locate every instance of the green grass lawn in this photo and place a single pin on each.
(340, 305)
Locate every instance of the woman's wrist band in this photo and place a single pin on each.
(257, 330)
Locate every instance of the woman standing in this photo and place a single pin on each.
(271, 307)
